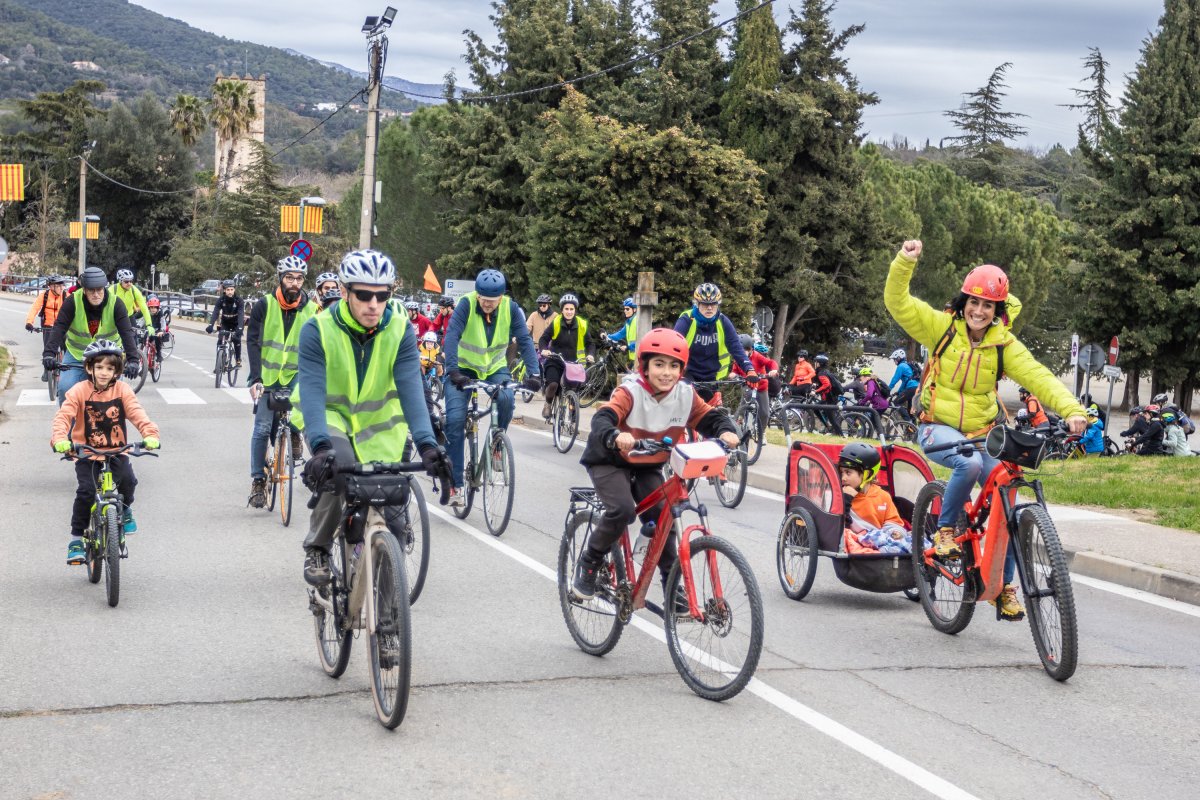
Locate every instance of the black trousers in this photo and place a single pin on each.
(87, 473)
(620, 489)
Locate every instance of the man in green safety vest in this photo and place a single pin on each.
(273, 343)
(132, 297)
(483, 323)
(358, 396)
(89, 314)
(713, 342)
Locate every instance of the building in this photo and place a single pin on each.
(257, 133)
(86, 66)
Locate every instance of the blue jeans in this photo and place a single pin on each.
(967, 470)
(456, 419)
(69, 377)
(262, 432)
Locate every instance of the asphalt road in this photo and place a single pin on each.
(204, 682)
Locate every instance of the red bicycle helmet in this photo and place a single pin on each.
(153, 302)
(663, 342)
(988, 282)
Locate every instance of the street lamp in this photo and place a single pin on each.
(308, 201)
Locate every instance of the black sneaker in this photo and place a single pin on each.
(584, 585)
(681, 604)
(316, 566)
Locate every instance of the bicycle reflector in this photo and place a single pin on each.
(698, 460)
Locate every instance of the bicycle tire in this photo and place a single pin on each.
(52, 383)
(730, 486)
(469, 478)
(594, 624)
(389, 646)
(857, 425)
(1050, 607)
(557, 423)
(219, 367)
(752, 435)
(414, 543)
(168, 346)
(272, 484)
(566, 422)
(92, 552)
(140, 381)
(231, 371)
(112, 555)
(334, 637)
(948, 605)
(496, 516)
(720, 615)
(593, 387)
(285, 470)
(796, 553)
(156, 364)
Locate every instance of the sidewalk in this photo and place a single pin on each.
(1105, 546)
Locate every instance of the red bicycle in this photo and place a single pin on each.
(716, 644)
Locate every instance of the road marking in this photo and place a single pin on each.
(181, 397)
(1138, 594)
(241, 395)
(896, 763)
(35, 397)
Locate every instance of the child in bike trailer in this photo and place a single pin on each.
(653, 405)
(431, 354)
(94, 412)
(873, 524)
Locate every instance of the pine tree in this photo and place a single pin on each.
(755, 72)
(985, 125)
(682, 86)
(1095, 101)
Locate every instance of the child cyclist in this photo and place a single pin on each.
(654, 405)
(431, 354)
(872, 520)
(94, 412)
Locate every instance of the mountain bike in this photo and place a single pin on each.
(369, 588)
(50, 376)
(715, 645)
(139, 335)
(282, 458)
(950, 587)
(104, 539)
(490, 472)
(226, 364)
(607, 371)
(747, 419)
(564, 412)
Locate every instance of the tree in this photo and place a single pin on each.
(188, 118)
(231, 111)
(985, 125)
(756, 70)
(682, 86)
(1095, 101)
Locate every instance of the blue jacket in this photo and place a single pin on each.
(407, 374)
(703, 361)
(903, 376)
(517, 329)
(1093, 438)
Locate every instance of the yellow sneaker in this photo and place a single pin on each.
(1008, 606)
(944, 545)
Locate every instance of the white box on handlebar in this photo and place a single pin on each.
(698, 459)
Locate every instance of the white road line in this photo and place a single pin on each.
(241, 395)
(181, 397)
(939, 787)
(1138, 594)
(34, 397)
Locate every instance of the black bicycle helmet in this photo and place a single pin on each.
(228, 284)
(747, 342)
(821, 359)
(93, 278)
(544, 298)
(446, 302)
(801, 354)
(860, 457)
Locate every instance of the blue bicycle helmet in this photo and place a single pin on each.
(761, 348)
(629, 303)
(490, 283)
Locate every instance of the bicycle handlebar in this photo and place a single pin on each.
(391, 468)
(136, 449)
(962, 445)
(493, 389)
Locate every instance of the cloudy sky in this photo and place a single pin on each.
(919, 56)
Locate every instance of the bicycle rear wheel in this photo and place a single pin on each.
(1050, 600)
(595, 624)
(946, 587)
(111, 537)
(469, 478)
(730, 486)
(389, 646)
(285, 469)
(414, 540)
(593, 388)
(155, 359)
(752, 435)
(857, 425)
(168, 345)
(334, 636)
(796, 553)
(716, 655)
(499, 483)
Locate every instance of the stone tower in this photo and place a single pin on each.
(257, 132)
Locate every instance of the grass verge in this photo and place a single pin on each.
(4, 362)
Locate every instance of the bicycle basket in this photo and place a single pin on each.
(1016, 447)
(279, 400)
(698, 460)
(574, 374)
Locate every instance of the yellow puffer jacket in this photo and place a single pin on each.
(965, 396)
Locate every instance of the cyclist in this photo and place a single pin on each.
(229, 315)
(803, 375)
(827, 389)
(94, 413)
(903, 384)
(484, 322)
(628, 332)
(359, 393)
(431, 354)
(540, 320)
(655, 405)
(272, 339)
(326, 282)
(969, 350)
(160, 320)
(1174, 442)
(1086, 401)
(713, 342)
(441, 320)
(91, 314)
(767, 369)
(868, 390)
(1037, 414)
(420, 323)
(1093, 438)
(133, 298)
(1147, 432)
(568, 337)
(330, 297)
(45, 310)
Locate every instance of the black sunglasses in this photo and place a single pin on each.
(366, 295)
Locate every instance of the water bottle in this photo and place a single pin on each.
(642, 545)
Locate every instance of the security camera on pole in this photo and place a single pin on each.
(375, 28)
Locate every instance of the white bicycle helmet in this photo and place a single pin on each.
(429, 338)
(568, 299)
(412, 305)
(369, 267)
(326, 276)
(898, 355)
(124, 275)
(291, 264)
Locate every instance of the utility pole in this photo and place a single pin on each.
(82, 214)
(646, 299)
(375, 28)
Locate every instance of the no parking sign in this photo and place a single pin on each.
(302, 249)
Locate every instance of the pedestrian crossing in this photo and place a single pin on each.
(239, 396)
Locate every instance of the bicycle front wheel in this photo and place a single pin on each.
(857, 425)
(796, 554)
(1050, 600)
(470, 479)
(140, 381)
(595, 623)
(730, 485)
(499, 483)
(285, 469)
(752, 435)
(219, 367)
(946, 588)
(414, 540)
(389, 646)
(334, 636)
(716, 654)
(231, 370)
(155, 359)
(593, 389)
(93, 552)
(566, 422)
(112, 555)
(52, 383)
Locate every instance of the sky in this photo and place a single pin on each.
(919, 56)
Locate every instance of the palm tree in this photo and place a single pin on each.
(231, 110)
(188, 118)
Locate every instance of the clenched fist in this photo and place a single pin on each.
(911, 249)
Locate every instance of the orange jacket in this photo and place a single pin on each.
(47, 305)
(1037, 414)
(875, 506)
(98, 418)
(804, 373)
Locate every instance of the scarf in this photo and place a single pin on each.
(284, 305)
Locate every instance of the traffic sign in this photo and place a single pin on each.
(302, 249)
(1111, 372)
(1114, 347)
(457, 288)
(1091, 357)
(1074, 349)
(3, 250)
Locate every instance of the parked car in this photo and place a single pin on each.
(30, 287)
(210, 286)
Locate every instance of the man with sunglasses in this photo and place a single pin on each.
(541, 319)
(273, 344)
(359, 395)
(483, 324)
(133, 298)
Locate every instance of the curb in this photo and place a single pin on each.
(1162, 582)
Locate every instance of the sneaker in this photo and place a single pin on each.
(586, 570)
(1008, 606)
(944, 545)
(258, 493)
(130, 524)
(681, 603)
(297, 444)
(75, 552)
(316, 566)
(45, 377)
(238, 364)
(457, 498)
(546, 410)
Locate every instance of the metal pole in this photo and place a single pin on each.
(300, 233)
(82, 215)
(367, 222)
(1108, 414)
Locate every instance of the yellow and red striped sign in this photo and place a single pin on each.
(12, 182)
(93, 230)
(289, 219)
